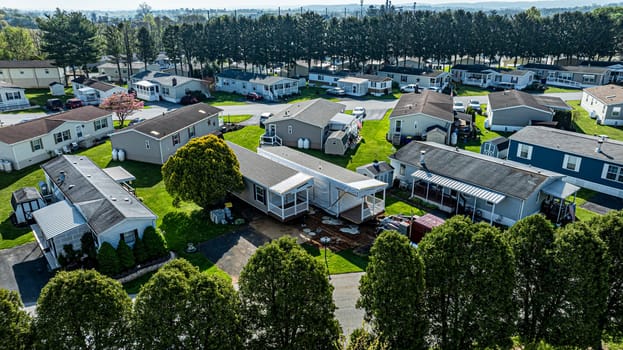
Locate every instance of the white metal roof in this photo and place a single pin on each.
(560, 189)
(342, 118)
(296, 181)
(87, 90)
(462, 187)
(58, 218)
(145, 83)
(362, 188)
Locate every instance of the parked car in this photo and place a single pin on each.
(263, 117)
(475, 105)
(54, 104)
(458, 106)
(73, 103)
(136, 121)
(359, 113)
(338, 91)
(410, 88)
(254, 96)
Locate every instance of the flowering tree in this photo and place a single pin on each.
(123, 105)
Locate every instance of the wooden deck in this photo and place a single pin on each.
(339, 240)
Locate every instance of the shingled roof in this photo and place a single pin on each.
(607, 94)
(41, 126)
(317, 112)
(514, 98)
(170, 122)
(502, 176)
(27, 64)
(428, 102)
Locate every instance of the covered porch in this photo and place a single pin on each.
(452, 195)
(147, 91)
(88, 96)
(364, 194)
(289, 198)
(557, 206)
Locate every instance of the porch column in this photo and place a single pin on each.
(363, 205)
(307, 199)
(337, 215)
(442, 190)
(413, 188)
(474, 210)
(268, 201)
(492, 213)
(283, 209)
(296, 194)
(458, 195)
(373, 204)
(427, 188)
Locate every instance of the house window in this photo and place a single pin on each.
(13, 96)
(290, 129)
(524, 151)
(176, 139)
(403, 169)
(616, 111)
(588, 78)
(165, 90)
(78, 131)
(129, 237)
(36, 145)
(100, 124)
(260, 194)
(404, 78)
(320, 77)
(191, 132)
(147, 146)
(62, 136)
(612, 172)
(398, 126)
(244, 85)
(571, 163)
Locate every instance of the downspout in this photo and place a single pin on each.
(523, 201)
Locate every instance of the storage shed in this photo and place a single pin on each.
(337, 143)
(497, 147)
(57, 89)
(24, 201)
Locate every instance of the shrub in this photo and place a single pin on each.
(126, 257)
(108, 260)
(140, 252)
(88, 245)
(154, 244)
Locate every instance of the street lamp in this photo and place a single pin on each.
(325, 242)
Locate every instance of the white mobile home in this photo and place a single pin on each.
(336, 190)
(271, 88)
(354, 86)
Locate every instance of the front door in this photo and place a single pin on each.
(272, 130)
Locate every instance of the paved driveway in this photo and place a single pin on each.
(23, 269)
(345, 296)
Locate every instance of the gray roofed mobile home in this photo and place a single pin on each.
(162, 77)
(506, 177)
(553, 102)
(432, 103)
(250, 77)
(102, 201)
(514, 98)
(170, 122)
(317, 112)
(571, 142)
(411, 71)
(260, 169)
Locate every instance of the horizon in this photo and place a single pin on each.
(121, 5)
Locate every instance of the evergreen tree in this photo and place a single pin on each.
(14, 322)
(107, 260)
(126, 257)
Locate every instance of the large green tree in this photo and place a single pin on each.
(17, 44)
(469, 285)
(287, 299)
(146, 46)
(69, 39)
(14, 322)
(202, 171)
(532, 242)
(582, 285)
(181, 308)
(82, 310)
(609, 227)
(113, 45)
(392, 292)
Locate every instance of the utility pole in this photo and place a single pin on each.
(414, 6)
(279, 10)
(361, 10)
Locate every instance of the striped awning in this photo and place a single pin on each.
(462, 187)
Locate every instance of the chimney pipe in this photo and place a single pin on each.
(422, 158)
(600, 141)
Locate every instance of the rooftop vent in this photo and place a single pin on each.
(113, 199)
(611, 96)
(375, 164)
(153, 132)
(202, 111)
(70, 187)
(422, 157)
(600, 141)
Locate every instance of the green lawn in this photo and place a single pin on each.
(553, 89)
(342, 262)
(220, 98)
(467, 90)
(24, 111)
(310, 93)
(484, 135)
(247, 137)
(584, 124)
(394, 206)
(40, 96)
(235, 118)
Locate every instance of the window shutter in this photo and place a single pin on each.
(565, 161)
(529, 152)
(604, 171)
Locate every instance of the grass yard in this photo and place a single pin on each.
(467, 90)
(394, 206)
(235, 118)
(342, 262)
(485, 134)
(220, 98)
(25, 111)
(554, 89)
(310, 93)
(584, 124)
(247, 137)
(40, 96)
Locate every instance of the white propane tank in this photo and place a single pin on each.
(8, 166)
(1, 164)
(115, 155)
(121, 155)
(454, 138)
(306, 143)
(300, 142)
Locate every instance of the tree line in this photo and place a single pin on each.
(466, 286)
(205, 45)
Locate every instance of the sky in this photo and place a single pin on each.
(175, 4)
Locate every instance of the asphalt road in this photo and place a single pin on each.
(375, 108)
(23, 269)
(345, 296)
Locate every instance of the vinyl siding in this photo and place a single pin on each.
(518, 117)
(299, 130)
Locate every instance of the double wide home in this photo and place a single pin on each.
(425, 78)
(31, 74)
(156, 139)
(604, 103)
(39, 139)
(569, 76)
(480, 186)
(484, 76)
(86, 201)
(512, 110)
(270, 87)
(593, 162)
